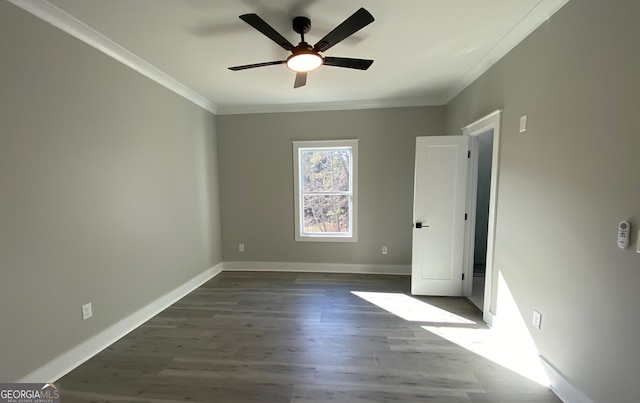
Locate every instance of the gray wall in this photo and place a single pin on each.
(108, 191)
(565, 185)
(256, 182)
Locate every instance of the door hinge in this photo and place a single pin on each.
(462, 276)
(468, 154)
(466, 216)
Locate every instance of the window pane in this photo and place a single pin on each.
(325, 171)
(326, 214)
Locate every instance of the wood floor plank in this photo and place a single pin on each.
(243, 371)
(314, 393)
(298, 337)
(541, 397)
(385, 379)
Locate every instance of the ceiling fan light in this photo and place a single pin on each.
(303, 62)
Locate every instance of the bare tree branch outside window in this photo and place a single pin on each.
(326, 190)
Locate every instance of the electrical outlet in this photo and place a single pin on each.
(87, 311)
(537, 320)
(384, 250)
(241, 247)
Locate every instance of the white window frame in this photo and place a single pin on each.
(300, 235)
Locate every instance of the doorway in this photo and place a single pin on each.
(484, 146)
(482, 188)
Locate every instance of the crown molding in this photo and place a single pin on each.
(76, 28)
(69, 24)
(529, 23)
(327, 106)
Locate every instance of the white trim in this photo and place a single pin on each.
(60, 19)
(529, 23)
(318, 267)
(76, 28)
(322, 145)
(490, 122)
(565, 390)
(484, 123)
(330, 106)
(64, 363)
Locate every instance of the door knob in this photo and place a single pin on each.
(421, 225)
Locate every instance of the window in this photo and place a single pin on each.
(325, 188)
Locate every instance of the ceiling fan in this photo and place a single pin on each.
(304, 57)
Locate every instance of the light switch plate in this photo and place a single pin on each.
(523, 123)
(537, 319)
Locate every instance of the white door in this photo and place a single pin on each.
(439, 203)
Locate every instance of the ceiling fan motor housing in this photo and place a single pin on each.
(304, 47)
(301, 25)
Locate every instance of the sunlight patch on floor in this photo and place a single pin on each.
(509, 345)
(411, 309)
(498, 347)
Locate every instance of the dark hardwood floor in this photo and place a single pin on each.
(296, 337)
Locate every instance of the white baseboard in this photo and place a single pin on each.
(318, 267)
(63, 364)
(66, 362)
(564, 389)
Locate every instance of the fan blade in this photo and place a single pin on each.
(301, 80)
(261, 25)
(360, 64)
(252, 66)
(350, 26)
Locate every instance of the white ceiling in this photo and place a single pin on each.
(425, 51)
